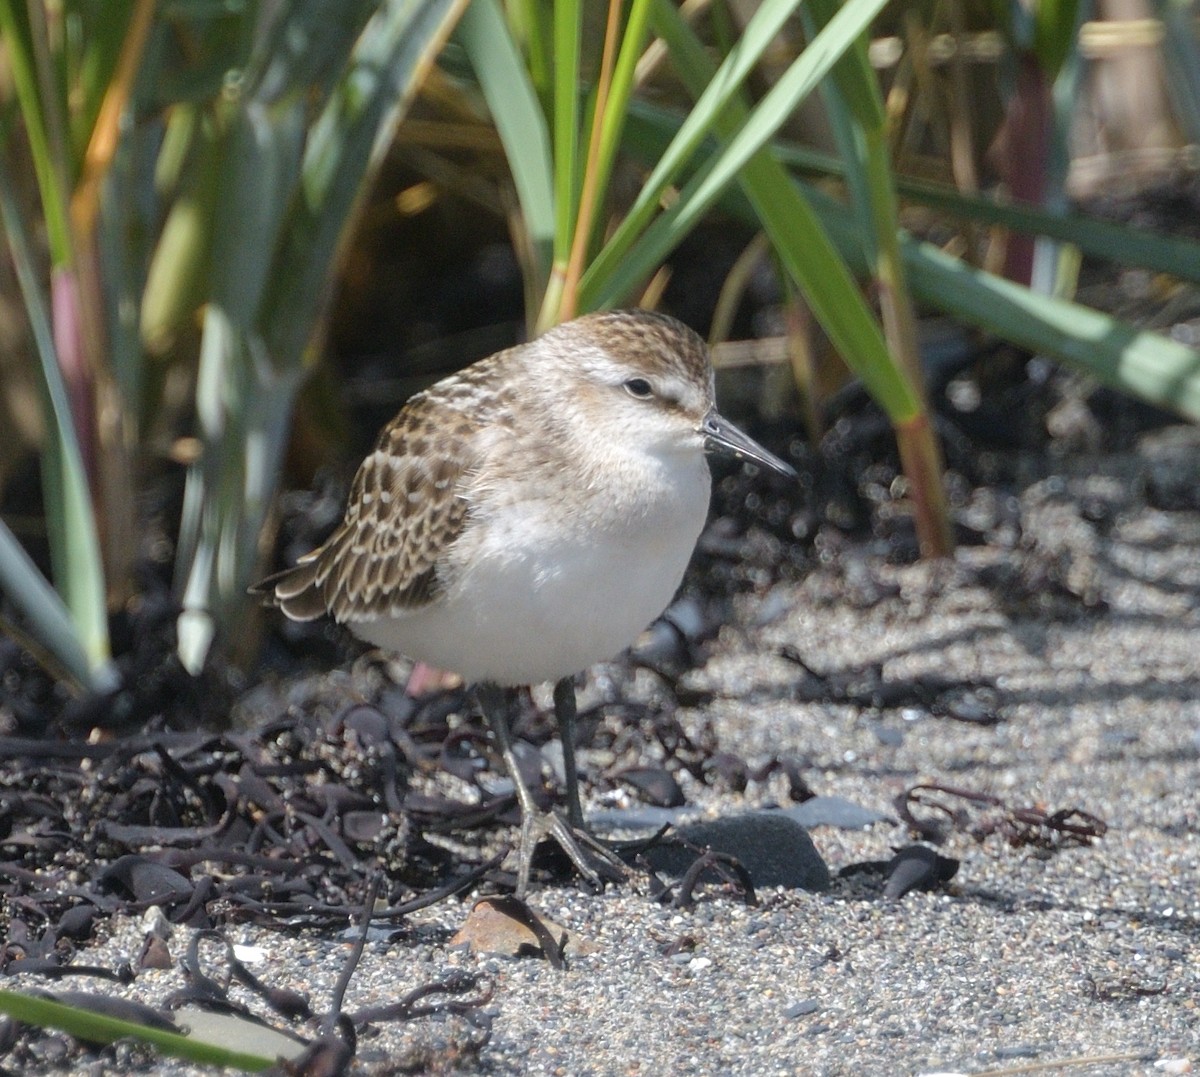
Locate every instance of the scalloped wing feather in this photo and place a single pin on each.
(406, 509)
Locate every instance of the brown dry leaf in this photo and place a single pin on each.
(502, 925)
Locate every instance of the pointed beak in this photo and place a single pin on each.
(722, 438)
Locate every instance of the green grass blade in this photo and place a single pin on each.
(1111, 241)
(1056, 23)
(75, 544)
(852, 74)
(49, 619)
(344, 147)
(1118, 243)
(300, 50)
(762, 29)
(272, 260)
(1159, 370)
(855, 112)
(775, 202)
(626, 261)
(21, 54)
(101, 34)
(856, 107)
(1181, 60)
(519, 120)
(177, 277)
(211, 491)
(1153, 367)
(612, 123)
(99, 1028)
(532, 35)
(568, 166)
(801, 244)
(258, 175)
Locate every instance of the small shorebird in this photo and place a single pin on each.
(528, 517)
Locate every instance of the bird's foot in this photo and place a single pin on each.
(594, 860)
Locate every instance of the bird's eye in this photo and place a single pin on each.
(639, 388)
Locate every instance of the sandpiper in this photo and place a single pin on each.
(528, 517)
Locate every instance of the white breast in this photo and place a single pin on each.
(540, 591)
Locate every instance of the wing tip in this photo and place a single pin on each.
(295, 591)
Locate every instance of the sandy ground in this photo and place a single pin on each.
(1083, 638)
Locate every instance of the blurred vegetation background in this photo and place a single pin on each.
(231, 224)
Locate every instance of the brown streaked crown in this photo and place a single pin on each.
(650, 335)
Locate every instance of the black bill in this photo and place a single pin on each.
(725, 439)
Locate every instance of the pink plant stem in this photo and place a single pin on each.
(1026, 145)
(67, 315)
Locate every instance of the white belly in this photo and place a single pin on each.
(541, 599)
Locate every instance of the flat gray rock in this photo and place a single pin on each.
(833, 811)
(774, 849)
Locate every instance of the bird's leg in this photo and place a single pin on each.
(496, 704)
(497, 707)
(564, 711)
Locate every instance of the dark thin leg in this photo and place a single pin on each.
(496, 704)
(564, 711)
(497, 709)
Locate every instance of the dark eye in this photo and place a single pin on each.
(639, 388)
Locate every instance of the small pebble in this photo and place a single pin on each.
(801, 1009)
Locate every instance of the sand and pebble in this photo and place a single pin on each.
(1083, 959)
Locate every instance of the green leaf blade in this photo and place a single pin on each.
(519, 120)
(99, 1028)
